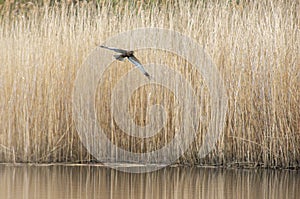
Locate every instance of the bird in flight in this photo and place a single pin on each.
(129, 55)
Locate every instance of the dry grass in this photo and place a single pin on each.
(254, 45)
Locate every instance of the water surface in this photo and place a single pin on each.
(61, 181)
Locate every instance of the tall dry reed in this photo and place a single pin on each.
(255, 46)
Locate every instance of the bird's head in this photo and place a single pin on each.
(130, 52)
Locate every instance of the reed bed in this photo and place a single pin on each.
(255, 46)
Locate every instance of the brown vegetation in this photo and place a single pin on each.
(255, 46)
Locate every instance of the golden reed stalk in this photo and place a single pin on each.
(255, 46)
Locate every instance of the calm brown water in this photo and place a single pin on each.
(25, 181)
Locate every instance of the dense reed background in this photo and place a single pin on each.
(255, 46)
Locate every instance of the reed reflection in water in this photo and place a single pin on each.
(60, 181)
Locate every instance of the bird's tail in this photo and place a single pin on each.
(119, 57)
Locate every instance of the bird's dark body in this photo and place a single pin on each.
(127, 54)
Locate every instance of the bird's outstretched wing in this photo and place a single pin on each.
(137, 63)
(115, 49)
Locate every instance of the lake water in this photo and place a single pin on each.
(61, 181)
